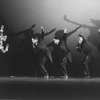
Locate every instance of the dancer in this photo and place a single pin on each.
(3, 38)
(89, 58)
(41, 50)
(60, 51)
(93, 38)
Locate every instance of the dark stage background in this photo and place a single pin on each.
(18, 15)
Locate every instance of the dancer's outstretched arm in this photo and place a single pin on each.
(50, 32)
(72, 32)
(43, 34)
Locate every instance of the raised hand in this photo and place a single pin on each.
(42, 28)
(65, 30)
(99, 30)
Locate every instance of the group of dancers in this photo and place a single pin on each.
(56, 53)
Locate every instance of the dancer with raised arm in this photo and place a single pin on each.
(2, 39)
(20, 39)
(40, 49)
(3, 48)
(89, 58)
(92, 26)
(60, 51)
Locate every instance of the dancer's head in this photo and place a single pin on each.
(80, 38)
(56, 40)
(35, 38)
(58, 36)
(34, 41)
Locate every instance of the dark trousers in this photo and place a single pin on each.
(87, 62)
(60, 66)
(40, 59)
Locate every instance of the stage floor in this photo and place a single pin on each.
(49, 89)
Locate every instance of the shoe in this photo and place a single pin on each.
(87, 76)
(47, 76)
(66, 76)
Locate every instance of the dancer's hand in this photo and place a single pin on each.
(42, 28)
(65, 31)
(99, 30)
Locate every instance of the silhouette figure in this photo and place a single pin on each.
(89, 58)
(93, 37)
(19, 56)
(20, 40)
(60, 51)
(41, 51)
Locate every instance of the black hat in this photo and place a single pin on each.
(36, 35)
(59, 34)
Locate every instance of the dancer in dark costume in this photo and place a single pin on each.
(60, 51)
(41, 51)
(17, 61)
(89, 58)
(3, 48)
(93, 38)
(20, 53)
(20, 39)
(2, 39)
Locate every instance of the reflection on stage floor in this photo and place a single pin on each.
(14, 87)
